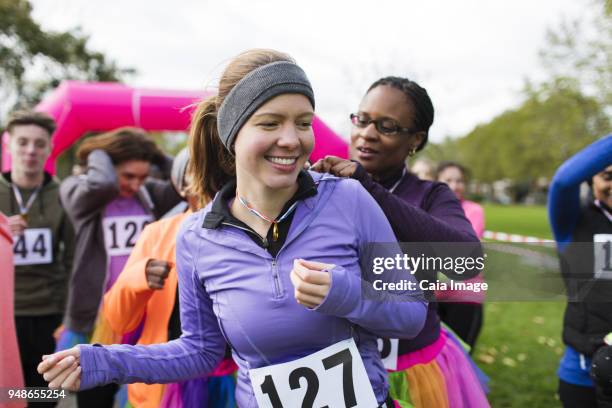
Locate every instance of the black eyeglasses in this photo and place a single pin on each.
(384, 126)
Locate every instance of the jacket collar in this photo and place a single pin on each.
(393, 178)
(46, 180)
(220, 212)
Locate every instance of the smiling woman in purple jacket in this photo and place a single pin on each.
(392, 123)
(271, 265)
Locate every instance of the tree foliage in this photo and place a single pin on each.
(558, 116)
(533, 140)
(33, 60)
(581, 49)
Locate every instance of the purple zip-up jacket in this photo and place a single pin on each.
(231, 288)
(420, 211)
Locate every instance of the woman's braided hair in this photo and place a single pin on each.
(423, 108)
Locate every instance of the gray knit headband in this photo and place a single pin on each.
(255, 89)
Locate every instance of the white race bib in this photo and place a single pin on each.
(34, 247)
(602, 258)
(121, 233)
(388, 352)
(334, 377)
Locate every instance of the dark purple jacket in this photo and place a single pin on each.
(420, 211)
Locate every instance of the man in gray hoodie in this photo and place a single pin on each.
(43, 239)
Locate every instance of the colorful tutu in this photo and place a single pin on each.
(217, 391)
(221, 392)
(441, 375)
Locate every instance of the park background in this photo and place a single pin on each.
(518, 88)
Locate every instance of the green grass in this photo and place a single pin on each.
(517, 219)
(519, 349)
(520, 345)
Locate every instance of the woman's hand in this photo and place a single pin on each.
(156, 272)
(17, 224)
(335, 165)
(62, 369)
(311, 281)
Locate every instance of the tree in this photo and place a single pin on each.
(33, 60)
(581, 50)
(558, 117)
(531, 141)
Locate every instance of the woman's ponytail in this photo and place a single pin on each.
(210, 165)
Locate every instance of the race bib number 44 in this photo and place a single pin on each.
(34, 247)
(121, 233)
(334, 377)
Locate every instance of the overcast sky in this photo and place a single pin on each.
(471, 55)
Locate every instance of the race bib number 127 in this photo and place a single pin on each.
(334, 377)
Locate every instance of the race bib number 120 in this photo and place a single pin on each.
(121, 233)
(334, 377)
(34, 247)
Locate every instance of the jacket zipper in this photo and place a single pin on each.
(277, 286)
(275, 276)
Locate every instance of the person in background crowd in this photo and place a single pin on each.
(462, 310)
(423, 169)
(43, 239)
(586, 268)
(109, 205)
(148, 289)
(11, 375)
(392, 124)
(272, 264)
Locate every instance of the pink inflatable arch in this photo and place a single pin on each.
(80, 107)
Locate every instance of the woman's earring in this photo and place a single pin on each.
(412, 152)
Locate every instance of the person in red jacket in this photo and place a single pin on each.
(11, 375)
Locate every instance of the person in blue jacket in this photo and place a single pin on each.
(272, 265)
(583, 233)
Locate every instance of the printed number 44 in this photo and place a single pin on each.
(39, 246)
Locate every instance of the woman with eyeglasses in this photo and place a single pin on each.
(392, 124)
